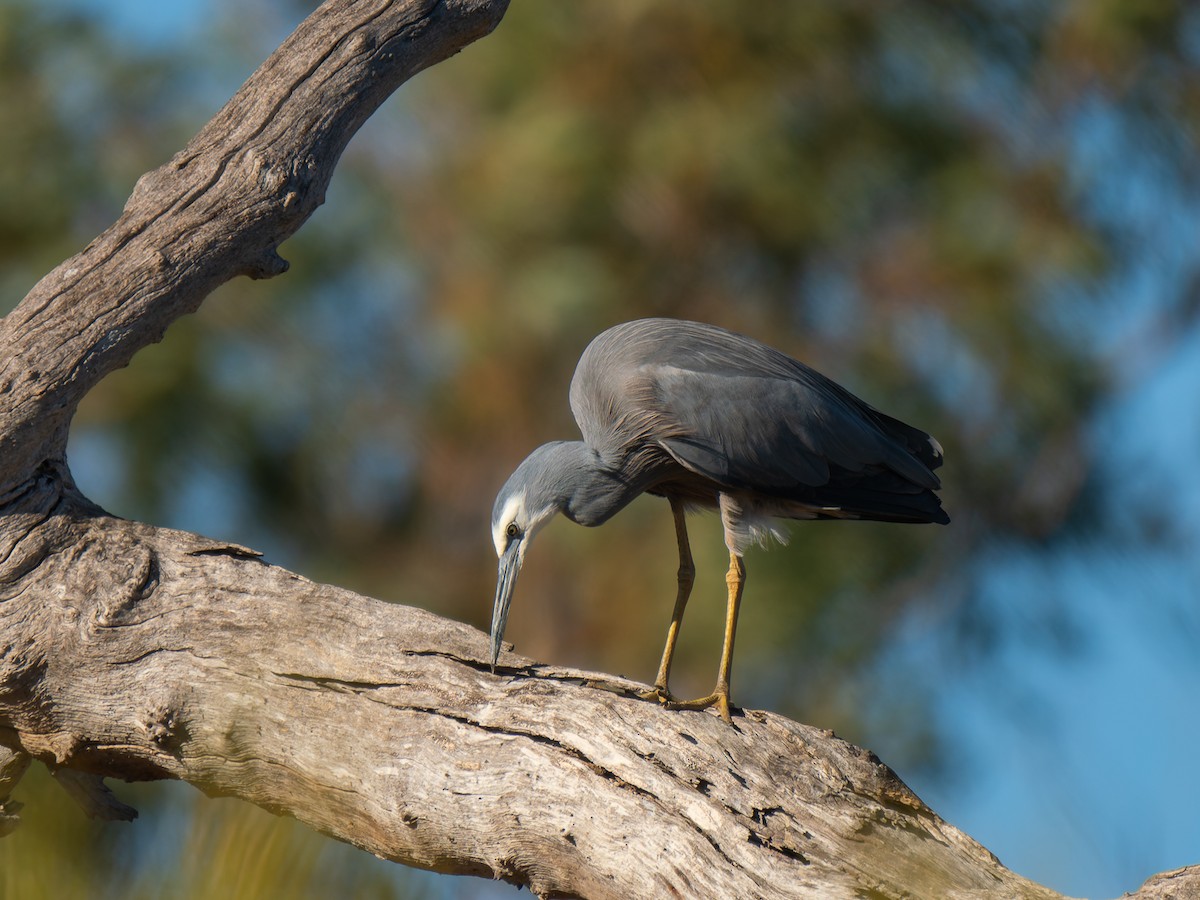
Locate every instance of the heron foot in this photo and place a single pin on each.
(719, 699)
(659, 694)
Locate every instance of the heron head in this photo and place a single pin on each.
(528, 500)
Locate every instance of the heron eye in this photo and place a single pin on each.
(512, 530)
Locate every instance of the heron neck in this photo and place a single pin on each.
(597, 489)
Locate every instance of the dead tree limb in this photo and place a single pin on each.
(169, 656)
(134, 652)
(218, 209)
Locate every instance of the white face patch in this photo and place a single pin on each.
(514, 510)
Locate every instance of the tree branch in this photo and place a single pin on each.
(135, 652)
(166, 655)
(218, 209)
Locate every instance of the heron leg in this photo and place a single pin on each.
(735, 578)
(687, 577)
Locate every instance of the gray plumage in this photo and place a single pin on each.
(712, 419)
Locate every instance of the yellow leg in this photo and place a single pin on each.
(687, 577)
(736, 580)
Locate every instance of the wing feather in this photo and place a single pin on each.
(736, 411)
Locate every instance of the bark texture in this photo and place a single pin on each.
(134, 652)
(149, 653)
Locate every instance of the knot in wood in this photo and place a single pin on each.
(152, 183)
(362, 43)
(134, 585)
(159, 260)
(267, 265)
(271, 177)
(164, 726)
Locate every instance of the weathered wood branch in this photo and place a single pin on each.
(148, 653)
(134, 652)
(218, 209)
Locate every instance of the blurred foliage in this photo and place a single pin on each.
(199, 848)
(919, 199)
(78, 122)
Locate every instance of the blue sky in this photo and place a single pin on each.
(143, 22)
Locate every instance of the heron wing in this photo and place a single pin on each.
(769, 433)
(739, 412)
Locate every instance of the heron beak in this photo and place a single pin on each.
(506, 580)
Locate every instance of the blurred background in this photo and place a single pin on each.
(980, 216)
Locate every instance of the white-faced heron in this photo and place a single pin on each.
(711, 419)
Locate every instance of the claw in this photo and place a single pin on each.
(719, 699)
(659, 694)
